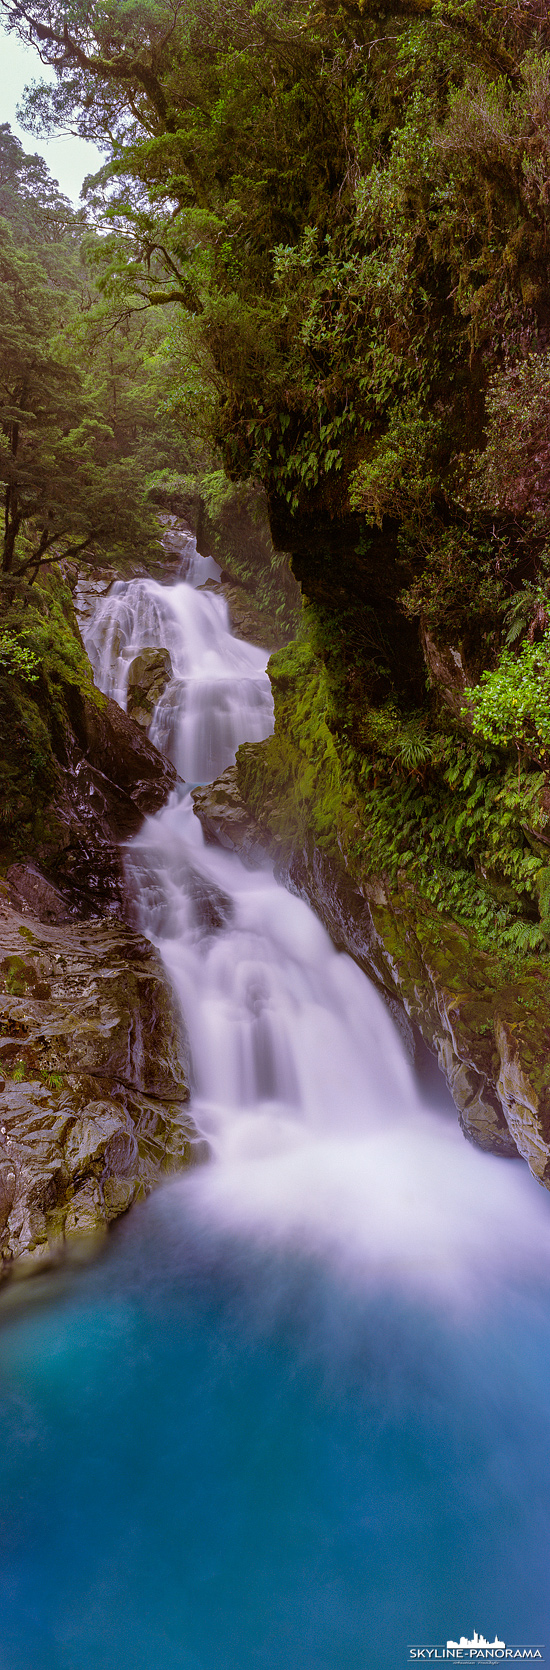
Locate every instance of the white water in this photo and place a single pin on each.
(301, 1083)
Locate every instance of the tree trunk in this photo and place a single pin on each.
(13, 517)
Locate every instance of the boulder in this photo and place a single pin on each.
(226, 820)
(149, 674)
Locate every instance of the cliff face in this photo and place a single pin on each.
(76, 774)
(94, 1082)
(94, 1071)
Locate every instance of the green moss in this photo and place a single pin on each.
(16, 976)
(34, 717)
(416, 803)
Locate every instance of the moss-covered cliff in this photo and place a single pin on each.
(76, 775)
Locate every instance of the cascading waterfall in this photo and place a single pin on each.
(219, 694)
(301, 1081)
(298, 1414)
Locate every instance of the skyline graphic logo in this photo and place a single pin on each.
(475, 1649)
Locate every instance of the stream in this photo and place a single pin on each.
(296, 1416)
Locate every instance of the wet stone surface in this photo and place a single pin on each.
(149, 674)
(94, 1082)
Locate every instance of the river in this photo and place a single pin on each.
(297, 1415)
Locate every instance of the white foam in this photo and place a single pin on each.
(302, 1084)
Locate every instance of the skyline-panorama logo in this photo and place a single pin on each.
(475, 1649)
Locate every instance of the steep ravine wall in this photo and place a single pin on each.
(94, 1072)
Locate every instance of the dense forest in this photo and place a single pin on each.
(315, 260)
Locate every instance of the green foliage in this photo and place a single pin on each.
(512, 703)
(466, 583)
(30, 200)
(512, 473)
(15, 973)
(399, 478)
(415, 803)
(16, 658)
(34, 712)
(348, 210)
(342, 214)
(65, 483)
(81, 430)
(528, 609)
(53, 1081)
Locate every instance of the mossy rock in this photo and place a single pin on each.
(149, 674)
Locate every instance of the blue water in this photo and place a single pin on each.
(219, 1454)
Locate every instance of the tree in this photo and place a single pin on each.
(84, 421)
(30, 198)
(349, 209)
(66, 486)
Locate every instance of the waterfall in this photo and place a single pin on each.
(298, 1413)
(317, 1131)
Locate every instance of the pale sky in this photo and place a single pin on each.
(69, 160)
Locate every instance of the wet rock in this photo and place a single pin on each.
(209, 908)
(111, 776)
(86, 1214)
(226, 820)
(7, 1190)
(149, 674)
(246, 619)
(94, 1086)
(45, 900)
(179, 541)
(213, 910)
(199, 1152)
(99, 1143)
(89, 589)
(115, 746)
(524, 1090)
(448, 673)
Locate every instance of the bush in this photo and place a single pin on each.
(512, 703)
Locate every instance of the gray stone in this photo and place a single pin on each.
(226, 820)
(149, 674)
(94, 1086)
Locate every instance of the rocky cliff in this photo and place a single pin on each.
(94, 1081)
(94, 1067)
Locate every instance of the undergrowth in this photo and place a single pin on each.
(420, 802)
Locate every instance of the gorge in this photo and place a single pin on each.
(274, 836)
(311, 1374)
